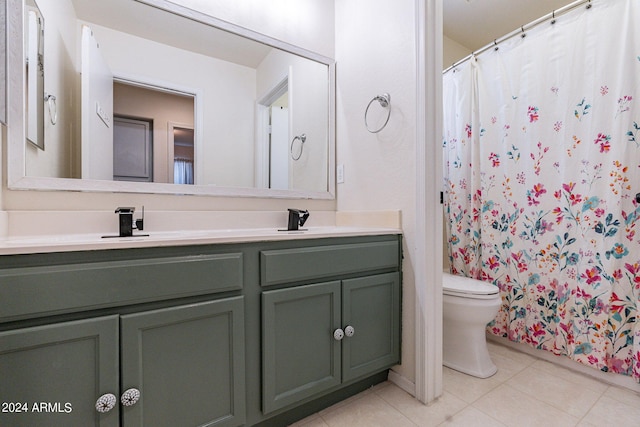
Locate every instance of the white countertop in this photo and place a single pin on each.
(80, 242)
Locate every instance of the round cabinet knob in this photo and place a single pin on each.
(130, 397)
(338, 334)
(106, 402)
(349, 331)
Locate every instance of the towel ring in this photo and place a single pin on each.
(53, 107)
(385, 102)
(302, 139)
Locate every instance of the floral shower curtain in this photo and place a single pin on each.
(542, 164)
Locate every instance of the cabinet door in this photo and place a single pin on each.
(300, 356)
(371, 306)
(188, 364)
(52, 375)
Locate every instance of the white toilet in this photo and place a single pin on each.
(469, 305)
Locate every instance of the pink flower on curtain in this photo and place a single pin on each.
(532, 112)
(557, 126)
(604, 141)
(591, 275)
(623, 104)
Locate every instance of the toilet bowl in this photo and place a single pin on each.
(468, 305)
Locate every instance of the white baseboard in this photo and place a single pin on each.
(403, 382)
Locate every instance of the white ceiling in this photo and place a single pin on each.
(476, 23)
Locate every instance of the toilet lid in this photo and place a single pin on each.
(459, 285)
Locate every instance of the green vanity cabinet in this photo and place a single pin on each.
(51, 375)
(317, 336)
(186, 363)
(223, 334)
(307, 346)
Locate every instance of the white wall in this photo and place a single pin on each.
(375, 53)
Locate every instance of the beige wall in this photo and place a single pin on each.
(452, 52)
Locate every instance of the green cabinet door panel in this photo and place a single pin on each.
(55, 373)
(371, 306)
(300, 355)
(188, 363)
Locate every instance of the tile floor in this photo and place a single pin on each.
(526, 391)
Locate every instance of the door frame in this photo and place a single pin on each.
(171, 126)
(262, 161)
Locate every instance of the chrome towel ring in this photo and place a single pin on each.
(302, 139)
(385, 102)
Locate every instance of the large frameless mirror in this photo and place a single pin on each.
(149, 96)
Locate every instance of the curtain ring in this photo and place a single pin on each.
(523, 35)
(495, 45)
(53, 107)
(385, 102)
(302, 139)
(553, 17)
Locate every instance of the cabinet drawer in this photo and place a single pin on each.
(44, 290)
(291, 265)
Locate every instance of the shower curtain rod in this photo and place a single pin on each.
(521, 31)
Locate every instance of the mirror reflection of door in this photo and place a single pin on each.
(97, 110)
(132, 149)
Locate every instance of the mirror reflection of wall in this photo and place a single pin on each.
(34, 69)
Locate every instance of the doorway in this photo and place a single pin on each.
(272, 140)
(161, 107)
(181, 138)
